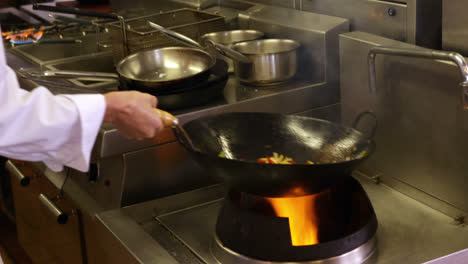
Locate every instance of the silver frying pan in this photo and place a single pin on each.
(162, 69)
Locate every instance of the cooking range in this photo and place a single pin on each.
(338, 224)
(356, 221)
(154, 205)
(335, 226)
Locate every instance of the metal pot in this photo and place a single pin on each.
(272, 61)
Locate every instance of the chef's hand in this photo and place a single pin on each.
(133, 114)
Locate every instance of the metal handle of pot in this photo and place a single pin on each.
(74, 11)
(62, 217)
(458, 59)
(237, 56)
(220, 48)
(23, 180)
(175, 35)
(359, 118)
(78, 74)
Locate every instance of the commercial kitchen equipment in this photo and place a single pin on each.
(154, 205)
(414, 21)
(125, 172)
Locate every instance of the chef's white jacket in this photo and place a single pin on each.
(59, 130)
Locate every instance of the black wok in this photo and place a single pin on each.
(245, 137)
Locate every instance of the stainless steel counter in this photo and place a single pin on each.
(179, 228)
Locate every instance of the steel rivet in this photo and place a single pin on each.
(391, 11)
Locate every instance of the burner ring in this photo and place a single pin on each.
(356, 256)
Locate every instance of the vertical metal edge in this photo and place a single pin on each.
(411, 21)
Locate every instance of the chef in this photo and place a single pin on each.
(60, 130)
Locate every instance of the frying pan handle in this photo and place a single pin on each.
(74, 11)
(175, 35)
(360, 116)
(237, 56)
(78, 74)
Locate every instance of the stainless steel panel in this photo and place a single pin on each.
(102, 62)
(365, 15)
(408, 231)
(138, 246)
(454, 21)
(160, 171)
(281, 3)
(197, 239)
(413, 21)
(422, 126)
(454, 258)
(107, 189)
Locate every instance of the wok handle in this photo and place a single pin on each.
(175, 35)
(360, 116)
(78, 74)
(168, 119)
(230, 53)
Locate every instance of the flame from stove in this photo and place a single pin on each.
(29, 34)
(303, 221)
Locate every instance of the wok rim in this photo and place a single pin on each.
(371, 144)
(129, 57)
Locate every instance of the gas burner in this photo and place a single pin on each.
(334, 226)
(26, 36)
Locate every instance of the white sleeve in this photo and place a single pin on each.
(59, 130)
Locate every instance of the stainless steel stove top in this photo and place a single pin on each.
(180, 228)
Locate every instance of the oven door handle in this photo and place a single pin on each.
(61, 217)
(23, 180)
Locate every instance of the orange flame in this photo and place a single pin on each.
(28, 34)
(303, 221)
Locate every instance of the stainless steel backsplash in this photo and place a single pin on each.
(422, 143)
